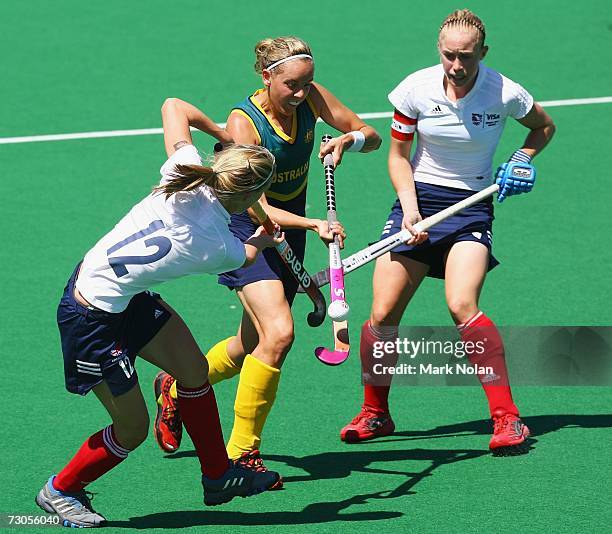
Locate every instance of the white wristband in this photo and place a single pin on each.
(358, 141)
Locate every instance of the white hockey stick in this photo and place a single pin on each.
(366, 255)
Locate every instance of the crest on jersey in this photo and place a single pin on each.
(486, 120)
(309, 136)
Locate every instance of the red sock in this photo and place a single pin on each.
(198, 407)
(480, 329)
(375, 398)
(98, 455)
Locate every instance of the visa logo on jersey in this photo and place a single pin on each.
(485, 119)
(491, 119)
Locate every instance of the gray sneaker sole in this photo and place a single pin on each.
(44, 501)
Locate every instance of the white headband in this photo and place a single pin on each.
(288, 58)
(254, 187)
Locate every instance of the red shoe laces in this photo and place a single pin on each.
(364, 414)
(169, 412)
(253, 461)
(501, 423)
(171, 418)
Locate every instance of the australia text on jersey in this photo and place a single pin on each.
(293, 174)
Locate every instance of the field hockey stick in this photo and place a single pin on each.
(317, 316)
(338, 308)
(366, 255)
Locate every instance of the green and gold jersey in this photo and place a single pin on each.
(292, 152)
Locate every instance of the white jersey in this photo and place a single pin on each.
(159, 240)
(456, 141)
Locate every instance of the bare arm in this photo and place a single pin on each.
(240, 129)
(542, 130)
(402, 178)
(285, 219)
(257, 242)
(178, 116)
(336, 114)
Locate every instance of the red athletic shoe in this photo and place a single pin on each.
(168, 425)
(252, 460)
(367, 425)
(509, 434)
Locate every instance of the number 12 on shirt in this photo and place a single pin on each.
(163, 244)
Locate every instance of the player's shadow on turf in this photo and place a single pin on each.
(331, 465)
(319, 466)
(358, 458)
(320, 512)
(340, 464)
(538, 424)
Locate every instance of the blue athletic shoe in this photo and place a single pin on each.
(73, 509)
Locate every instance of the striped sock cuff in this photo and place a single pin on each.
(383, 332)
(520, 156)
(192, 393)
(464, 326)
(111, 443)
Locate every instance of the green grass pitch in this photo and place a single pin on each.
(74, 66)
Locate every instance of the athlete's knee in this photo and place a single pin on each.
(381, 314)
(461, 308)
(191, 372)
(277, 338)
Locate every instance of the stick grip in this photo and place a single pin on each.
(330, 188)
(329, 159)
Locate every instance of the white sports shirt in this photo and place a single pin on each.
(159, 240)
(456, 140)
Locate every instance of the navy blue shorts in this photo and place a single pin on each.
(268, 265)
(472, 224)
(100, 346)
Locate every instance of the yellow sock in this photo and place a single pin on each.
(254, 399)
(220, 367)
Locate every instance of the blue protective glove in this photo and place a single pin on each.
(516, 176)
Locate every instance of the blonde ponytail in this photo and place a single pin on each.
(236, 169)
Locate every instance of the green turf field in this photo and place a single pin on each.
(74, 66)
